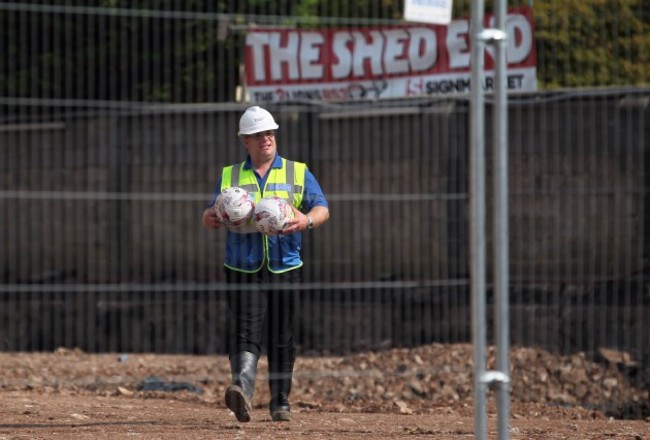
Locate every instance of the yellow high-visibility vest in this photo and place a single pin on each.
(249, 251)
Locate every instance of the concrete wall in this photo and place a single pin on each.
(119, 197)
(114, 198)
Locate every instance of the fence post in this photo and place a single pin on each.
(499, 377)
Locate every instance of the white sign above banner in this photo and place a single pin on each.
(428, 11)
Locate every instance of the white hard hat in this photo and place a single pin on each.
(254, 120)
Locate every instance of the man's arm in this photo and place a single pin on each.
(210, 219)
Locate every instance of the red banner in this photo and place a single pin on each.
(380, 62)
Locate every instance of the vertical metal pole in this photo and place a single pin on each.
(482, 378)
(477, 218)
(500, 162)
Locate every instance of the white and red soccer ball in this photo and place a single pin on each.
(235, 207)
(272, 214)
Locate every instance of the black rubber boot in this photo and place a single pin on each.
(280, 388)
(239, 395)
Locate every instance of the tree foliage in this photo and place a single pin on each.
(592, 43)
(191, 50)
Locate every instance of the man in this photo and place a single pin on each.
(262, 262)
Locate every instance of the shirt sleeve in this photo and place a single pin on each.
(217, 191)
(313, 194)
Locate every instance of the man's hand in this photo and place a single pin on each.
(210, 219)
(297, 223)
(300, 221)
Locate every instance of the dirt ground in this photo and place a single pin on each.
(424, 392)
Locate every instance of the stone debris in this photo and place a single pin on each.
(417, 380)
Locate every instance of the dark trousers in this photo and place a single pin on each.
(262, 313)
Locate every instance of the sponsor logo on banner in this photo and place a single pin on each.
(381, 62)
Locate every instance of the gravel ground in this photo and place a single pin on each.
(419, 392)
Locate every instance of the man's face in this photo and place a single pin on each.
(261, 146)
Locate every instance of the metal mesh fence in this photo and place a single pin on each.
(116, 120)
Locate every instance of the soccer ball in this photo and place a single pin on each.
(272, 214)
(234, 207)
